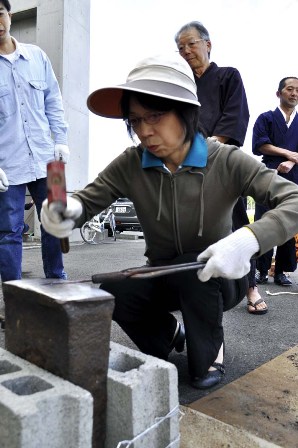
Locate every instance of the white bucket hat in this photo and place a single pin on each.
(164, 76)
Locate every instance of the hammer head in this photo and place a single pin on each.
(56, 185)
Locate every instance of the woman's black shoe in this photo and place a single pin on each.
(179, 340)
(211, 379)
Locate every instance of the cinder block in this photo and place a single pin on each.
(142, 400)
(63, 327)
(41, 410)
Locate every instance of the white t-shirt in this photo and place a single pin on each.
(11, 57)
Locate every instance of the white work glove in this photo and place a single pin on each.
(60, 224)
(62, 152)
(229, 257)
(4, 184)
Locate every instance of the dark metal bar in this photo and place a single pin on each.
(146, 272)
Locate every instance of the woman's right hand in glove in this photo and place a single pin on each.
(60, 223)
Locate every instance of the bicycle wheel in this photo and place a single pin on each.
(87, 233)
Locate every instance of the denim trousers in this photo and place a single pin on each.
(12, 204)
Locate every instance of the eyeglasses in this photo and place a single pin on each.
(150, 118)
(192, 44)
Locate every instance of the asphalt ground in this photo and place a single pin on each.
(250, 340)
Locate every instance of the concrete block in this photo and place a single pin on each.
(142, 401)
(63, 327)
(41, 410)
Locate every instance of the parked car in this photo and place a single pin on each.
(125, 215)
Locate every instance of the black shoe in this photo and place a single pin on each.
(211, 379)
(282, 279)
(261, 278)
(179, 340)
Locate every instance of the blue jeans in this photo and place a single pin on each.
(12, 204)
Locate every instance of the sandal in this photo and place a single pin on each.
(254, 305)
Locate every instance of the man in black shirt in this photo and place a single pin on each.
(224, 116)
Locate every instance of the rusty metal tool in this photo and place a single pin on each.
(56, 186)
(146, 272)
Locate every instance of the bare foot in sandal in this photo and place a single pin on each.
(255, 303)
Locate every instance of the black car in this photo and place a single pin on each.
(125, 215)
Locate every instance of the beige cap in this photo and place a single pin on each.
(163, 76)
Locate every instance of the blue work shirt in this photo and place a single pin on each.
(31, 114)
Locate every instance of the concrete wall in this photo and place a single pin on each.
(24, 27)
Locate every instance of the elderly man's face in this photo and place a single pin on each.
(289, 94)
(194, 50)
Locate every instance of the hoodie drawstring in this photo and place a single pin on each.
(160, 198)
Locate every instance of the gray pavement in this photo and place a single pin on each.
(250, 340)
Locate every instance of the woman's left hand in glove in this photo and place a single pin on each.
(230, 256)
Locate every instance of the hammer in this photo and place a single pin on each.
(56, 187)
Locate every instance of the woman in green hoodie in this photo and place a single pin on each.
(184, 188)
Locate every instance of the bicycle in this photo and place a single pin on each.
(94, 231)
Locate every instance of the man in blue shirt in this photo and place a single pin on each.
(275, 137)
(33, 132)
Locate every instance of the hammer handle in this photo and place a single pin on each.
(64, 244)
